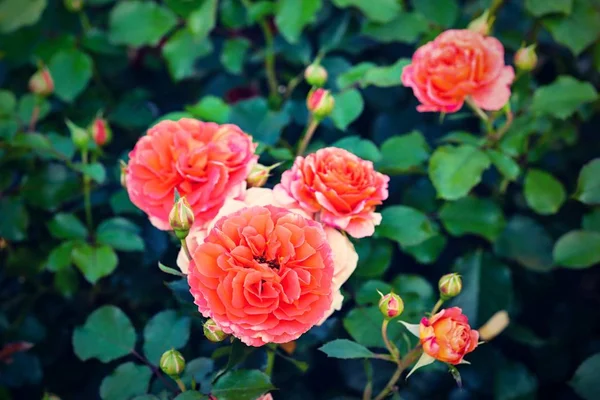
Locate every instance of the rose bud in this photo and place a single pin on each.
(315, 75)
(320, 103)
(525, 58)
(481, 24)
(172, 363)
(101, 132)
(213, 332)
(73, 5)
(79, 136)
(447, 336)
(41, 82)
(123, 173)
(260, 174)
(391, 305)
(450, 286)
(181, 218)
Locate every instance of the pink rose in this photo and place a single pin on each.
(456, 65)
(205, 162)
(341, 187)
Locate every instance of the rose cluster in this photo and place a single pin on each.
(265, 265)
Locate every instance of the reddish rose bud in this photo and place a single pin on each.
(525, 58)
(450, 285)
(482, 24)
(181, 218)
(41, 82)
(101, 132)
(10, 349)
(391, 305)
(213, 332)
(172, 363)
(320, 103)
(315, 75)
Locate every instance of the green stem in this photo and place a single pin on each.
(180, 384)
(402, 364)
(87, 193)
(85, 22)
(437, 306)
(310, 130)
(481, 114)
(270, 361)
(186, 249)
(390, 346)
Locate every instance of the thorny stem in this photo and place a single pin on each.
(186, 249)
(154, 370)
(310, 130)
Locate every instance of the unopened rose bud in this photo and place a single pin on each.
(181, 218)
(260, 174)
(41, 82)
(315, 75)
(213, 332)
(73, 5)
(450, 286)
(482, 24)
(101, 132)
(172, 363)
(391, 305)
(320, 103)
(79, 136)
(525, 58)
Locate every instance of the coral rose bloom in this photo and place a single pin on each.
(343, 188)
(447, 336)
(263, 274)
(204, 161)
(456, 65)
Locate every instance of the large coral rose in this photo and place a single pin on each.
(205, 162)
(263, 274)
(456, 65)
(344, 255)
(447, 336)
(343, 188)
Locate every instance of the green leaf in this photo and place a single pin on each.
(255, 117)
(348, 106)
(363, 148)
(181, 52)
(487, 287)
(202, 20)
(538, 8)
(166, 330)
(428, 251)
(563, 97)
(473, 215)
(67, 226)
(507, 166)
(66, 282)
(71, 71)
(27, 104)
(526, 241)
(95, 171)
(407, 27)
(60, 257)
(577, 249)
(106, 335)
(292, 16)
(591, 221)
(368, 293)
(242, 385)
(579, 29)
(126, 381)
(200, 371)
(374, 10)
(588, 184)
(210, 108)
(444, 13)
(585, 381)
(170, 271)
(234, 54)
(121, 234)
(15, 14)
(455, 170)
(543, 192)
(354, 76)
(33, 141)
(14, 219)
(139, 23)
(514, 381)
(407, 226)
(402, 153)
(346, 349)
(374, 257)
(189, 395)
(364, 326)
(95, 262)
(8, 128)
(385, 76)
(8, 103)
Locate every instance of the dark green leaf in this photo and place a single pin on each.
(374, 257)
(537, 8)
(67, 226)
(374, 10)
(106, 335)
(591, 221)
(508, 167)
(200, 370)
(444, 13)
(364, 326)
(363, 148)
(407, 27)
(234, 54)
(368, 294)
(139, 23)
(166, 330)
(427, 252)
(28, 103)
(181, 52)
(385, 76)
(15, 14)
(403, 152)
(60, 257)
(170, 271)
(255, 117)
(585, 381)
(66, 282)
(210, 108)
(121, 234)
(8, 103)
(292, 16)
(514, 381)
(579, 29)
(588, 184)
(406, 225)
(95, 171)
(348, 106)
(473, 215)
(94, 262)
(543, 193)
(563, 97)
(126, 381)
(344, 348)
(14, 219)
(577, 249)
(202, 20)
(242, 385)
(71, 71)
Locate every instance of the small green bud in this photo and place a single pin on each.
(172, 363)
(79, 136)
(181, 218)
(525, 58)
(73, 5)
(213, 332)
(481, 24)
(450, 285)
(320, 103)
(315, 75)
(391, 305)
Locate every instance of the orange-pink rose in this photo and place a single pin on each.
(341, 187)
(204, 161)
(456, 65)
(447, 336)
(263, 274)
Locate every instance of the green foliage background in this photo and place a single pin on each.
(518, 217)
